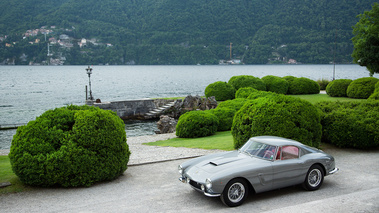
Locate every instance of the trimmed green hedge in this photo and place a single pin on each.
(350, 124)
(279, 115)
(70, 146)
(259, 94)
(235, 104)
(222, 91)
(275, 84)
(244, 92)
(300, 86)
(375, 95)
(247, 81)
(338, 88)
(362, 87)
(225, 118)
(195, 124)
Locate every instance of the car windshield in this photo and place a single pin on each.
(260, 150)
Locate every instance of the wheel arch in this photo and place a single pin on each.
(251, 188)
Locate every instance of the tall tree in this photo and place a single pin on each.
(366, 40)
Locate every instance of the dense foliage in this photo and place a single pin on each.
(195, 124)
(375, 95)
(222, 91)
(183, 32)
(244, 92)
(70, 146)
(299, 86)
(279, 115)
(235, 104)
(225, 117)
(338, 88)
(350, 124)
(366, 40)
(362, 87)
(275, 84)
(241, 81)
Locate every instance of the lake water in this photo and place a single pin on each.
(28, 91)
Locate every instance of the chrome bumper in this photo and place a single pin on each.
(333, 171)
(185, 180)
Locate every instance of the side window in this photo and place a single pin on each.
(290, 152)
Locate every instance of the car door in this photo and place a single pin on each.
(287, 167)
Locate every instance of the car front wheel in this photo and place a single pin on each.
(235, 192)
(314, 179)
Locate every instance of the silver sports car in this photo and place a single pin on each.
(263, 163)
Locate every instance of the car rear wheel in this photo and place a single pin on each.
(235, 192)
(314, 178)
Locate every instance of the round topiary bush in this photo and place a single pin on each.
(222, 91)
(225, 117)
(70, 146)
(299, 86)
(280, 115)
(195, 124)
(362, 87)
(276, 84)
(244, 92)
(350, 124)
(247, 81)
(338, 88)
(260, 94)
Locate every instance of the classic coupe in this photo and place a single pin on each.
(263, 163)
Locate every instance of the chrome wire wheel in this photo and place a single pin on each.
(314, 178)
(236, 192)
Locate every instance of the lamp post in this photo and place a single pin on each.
(89, 72)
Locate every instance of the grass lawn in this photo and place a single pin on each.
(315, 98)
(7, 175)
(221, 141)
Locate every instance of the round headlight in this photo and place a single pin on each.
(180, 169)
(208, 183)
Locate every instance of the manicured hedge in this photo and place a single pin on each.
(299, 86)
(70, 146)
(247, 81)
(195, 124)
(244, 92)
(259, 94)
(280, 115)
(222, 91)
(235, 104)
(275, 84)
(350, 124)
(225, 118)
(362, 87)
(375, 95)
(338, 88)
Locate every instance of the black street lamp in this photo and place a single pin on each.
(89, 72)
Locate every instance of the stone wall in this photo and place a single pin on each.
(132, 109)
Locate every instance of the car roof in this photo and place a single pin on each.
(276, 141)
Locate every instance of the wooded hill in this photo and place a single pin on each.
(184, 32)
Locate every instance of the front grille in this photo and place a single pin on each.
(195, 184)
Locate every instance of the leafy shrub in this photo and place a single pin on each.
(362, 87)
(338, 88)
(279, 115)
(222, 91)
(235, 104)
(375, 95)
(275, 84)
(298, 86)
(244, 92)
(323, 83)
(350, 124)
(70, 146)
(225, 118)
(247, 81)
(195, 124)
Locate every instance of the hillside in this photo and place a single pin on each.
(179, 32)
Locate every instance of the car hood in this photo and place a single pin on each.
(227, 163)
